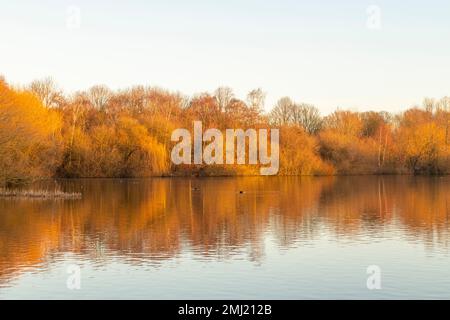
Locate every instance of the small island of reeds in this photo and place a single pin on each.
(38, 194)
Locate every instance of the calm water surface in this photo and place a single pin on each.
(294, 238)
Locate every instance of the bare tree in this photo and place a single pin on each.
(429, 104)
(47, 92)
(256, 98)
(443, 113)
(99, 96)
(307, 116)
(443, 104)
(76, 109)
(224, 95)
(281, 114)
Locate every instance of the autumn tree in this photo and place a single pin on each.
(47, 92)
(106, 133)
(99, 96)
(306, 116)
(29, 136)
(299, 154)
(205, 108)
(223, 95)
(256, 99)
(281, 114)
(421, 141)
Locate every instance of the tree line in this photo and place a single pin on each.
(127, 133)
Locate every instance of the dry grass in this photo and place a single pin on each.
(38, 194)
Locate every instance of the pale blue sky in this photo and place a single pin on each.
(318, 52)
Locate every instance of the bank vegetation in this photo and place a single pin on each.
(126, 133)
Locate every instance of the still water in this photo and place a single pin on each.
(180, 238)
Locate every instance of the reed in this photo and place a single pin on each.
(38, 194)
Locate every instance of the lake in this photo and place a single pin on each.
(220, 238)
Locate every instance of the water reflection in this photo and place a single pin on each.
(145, 222)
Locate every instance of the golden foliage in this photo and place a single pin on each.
(29, 136)
(423, 148)
(299, 154)
(105, 133)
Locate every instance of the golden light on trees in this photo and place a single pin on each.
(126, 133)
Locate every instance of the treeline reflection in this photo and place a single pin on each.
(157, 219)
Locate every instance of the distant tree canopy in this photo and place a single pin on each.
(126, 133)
